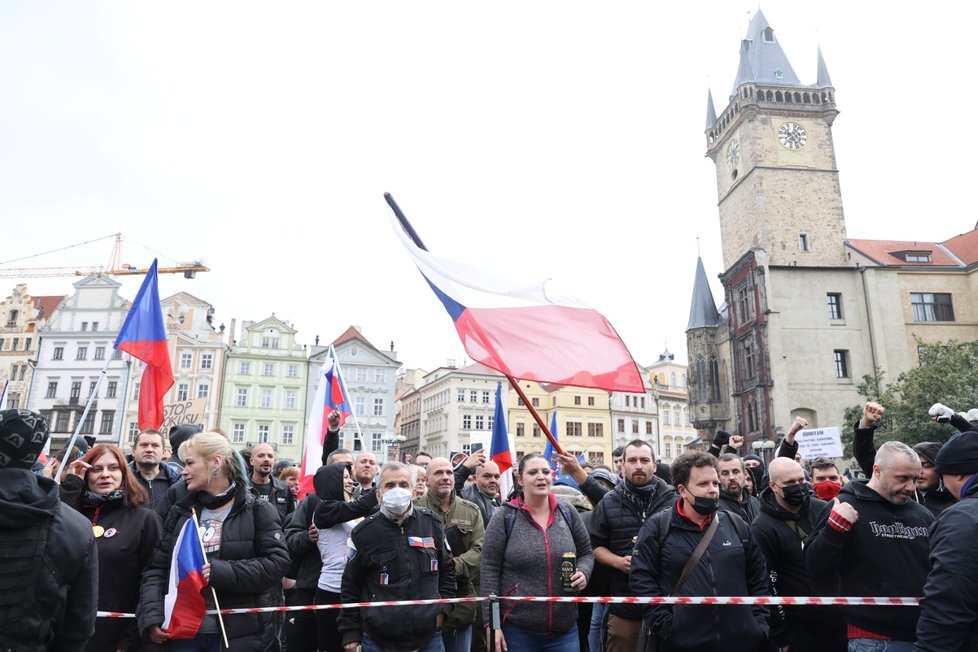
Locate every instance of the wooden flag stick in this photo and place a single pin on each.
(515, 384)
(217, 605)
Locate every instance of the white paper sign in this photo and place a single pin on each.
(819, 442)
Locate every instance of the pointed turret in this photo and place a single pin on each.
(703, 310)
(761, 58)
(711, 112)
(824, 81)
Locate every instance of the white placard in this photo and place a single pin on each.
(819, 442)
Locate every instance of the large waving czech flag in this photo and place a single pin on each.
(184, 606)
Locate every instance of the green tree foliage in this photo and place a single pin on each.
(948, 374)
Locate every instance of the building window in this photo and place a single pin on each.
(621, 425)
(111, 389)
(535, 401)
(203, 390)
(668, 451)
(292, 371)
(750, 361)
(263, 431)
(27, 344)
(82, 353)
(648, 428)
(834, 301)
(520, 429)
(590, 401)
(715, 379)
(676, 420)
(376, 442)
(269, 342)
(91, 388)
(536, 430)
(291, 399)
(361, 374)
(931, 306)
(577, 400)
(288, 435)
(360, 406)
(744, 304)
(135, 392)
(183, 389)
(105, 426)
(242, 398)
(474, 396)
(94, 326)
(665, 417)
(917, 257)
(486, 397)
(634, 426)
(461, 396)
(491, 421)
(100, 353)
(52, 389)
(479, 422)
(58, 354)
(238, 433)
(206, 360)
(378, 407)
(133, 431)
(572, 428)
(84, 326)
(466, 421)
(88, 425)
(266, 399)
(803, 244)
(61, 424)
(244, 368)
(752, 422)
(595, 430)
(841, 364)
(380, 376)
(268, 369)
(75, 393)
(186, 360)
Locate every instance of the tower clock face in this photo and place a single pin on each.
(792, 135)
(733, 153)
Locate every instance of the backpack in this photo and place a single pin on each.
(23, 559)
(509, 517)
(665, 522)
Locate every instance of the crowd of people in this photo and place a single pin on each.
(94, 528)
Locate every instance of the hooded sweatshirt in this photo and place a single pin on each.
(335, 517)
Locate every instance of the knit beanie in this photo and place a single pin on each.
(22, 437)
(928, 450)
(959, 455)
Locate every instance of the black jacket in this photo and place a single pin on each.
(157, 487)
(781, 535)
(746, 508)
(65, 596)
(245, 572)
(726, 568)
(885, 554)
(385, 566)
(615, 524)
(949, 609)
(130, 536)
(281, 498)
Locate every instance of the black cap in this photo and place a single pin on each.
(959, 455)
(22, 437)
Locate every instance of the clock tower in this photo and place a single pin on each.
(777, 179)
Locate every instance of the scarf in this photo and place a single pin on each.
(92, 499)
(638, 497)
(210, 502)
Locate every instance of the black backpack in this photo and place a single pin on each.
(23, 560)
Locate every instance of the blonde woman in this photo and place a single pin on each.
(243, 542)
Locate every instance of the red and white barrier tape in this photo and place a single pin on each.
(687, 600)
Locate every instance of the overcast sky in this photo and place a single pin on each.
(543, 139)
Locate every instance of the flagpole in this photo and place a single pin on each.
(406, 225)
(81, 422)
(353, 411)
(220, 619)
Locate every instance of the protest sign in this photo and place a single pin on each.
(819, 442)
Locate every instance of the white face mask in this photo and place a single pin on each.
(397, 500)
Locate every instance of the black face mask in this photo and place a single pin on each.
(705, 506)
(797, 495)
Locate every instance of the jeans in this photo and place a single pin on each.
(457, 640)
(199, 643)
(434, 645)
(599, 623)
(520, 640)
(875, 645)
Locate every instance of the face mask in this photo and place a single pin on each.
(796, 494)
(827, 490)
(397, 500)
(705, 506)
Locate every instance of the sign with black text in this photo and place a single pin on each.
(183, 412)
(819, 442)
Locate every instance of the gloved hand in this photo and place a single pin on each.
(721, 439)
(940, 413)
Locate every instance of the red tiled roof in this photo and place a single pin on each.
(888, 252)
(47, 304)
(965, 246)
(352, 333)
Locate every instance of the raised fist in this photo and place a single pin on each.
(872, 413)
(940, 413)
(843, 516)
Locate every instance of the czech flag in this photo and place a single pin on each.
(143, 336)
(183, 605)
(330, 395)
(499, 448)
(522, 329)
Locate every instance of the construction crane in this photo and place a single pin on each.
(114, 268)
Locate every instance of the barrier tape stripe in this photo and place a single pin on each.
(686, 600)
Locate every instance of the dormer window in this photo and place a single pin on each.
(778, 73)
(768, 35)
(914, 256)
